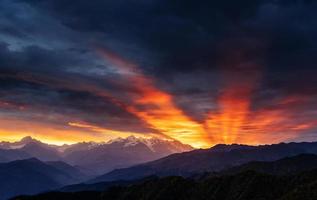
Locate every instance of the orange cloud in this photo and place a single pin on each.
(234, 101)
(107, 132)
(225, 125)
(274, 124)
(155, 106)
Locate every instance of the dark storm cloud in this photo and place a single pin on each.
(43, 81)
(204, 25)
(69, 104)
(155, 25)
(35, 58)
(183, 37)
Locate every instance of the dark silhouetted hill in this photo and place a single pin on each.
(7, 155)
(284, 166)
(31, 176)
(102, 185)
(216, 158)
(247, 185)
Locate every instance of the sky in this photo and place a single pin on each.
(202, 72)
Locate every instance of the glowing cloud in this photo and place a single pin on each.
(110, 133)
(234, 100)
(14, 129)
(225, 125)
(155, 106)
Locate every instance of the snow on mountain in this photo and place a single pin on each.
(153, 143)
(101, 157)
(33, 148)
(121, 152)
(19, 144)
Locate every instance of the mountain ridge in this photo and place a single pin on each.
(30, 176)
(213, 159)
(247, 185)
(91, 157)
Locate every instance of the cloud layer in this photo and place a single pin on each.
(201, 72)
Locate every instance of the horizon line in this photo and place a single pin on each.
(60, 144)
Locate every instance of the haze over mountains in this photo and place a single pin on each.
(30, 166)
(31, 176)
(216, 158)
(292, 178)
(40, 167)
(91, 157)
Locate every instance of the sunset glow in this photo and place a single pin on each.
(202, 73)
(156, 107)
(232, 122)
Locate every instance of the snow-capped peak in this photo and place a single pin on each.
(19, 144)
(131, 141)
(155, 144)
(119, 139)
(128, 141)
(27, 139)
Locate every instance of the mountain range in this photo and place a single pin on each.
(284, 166)
(120, 152)
(31, 176)
(216, 158)
(246, 182)
(91, 157)
(30, 166)
(75, 165)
